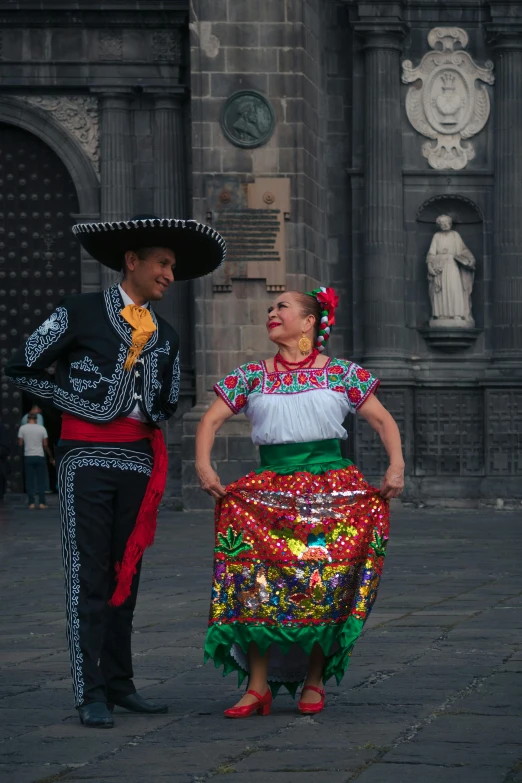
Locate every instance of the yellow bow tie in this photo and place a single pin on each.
(143, 327)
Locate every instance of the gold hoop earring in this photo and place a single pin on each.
(305, 345)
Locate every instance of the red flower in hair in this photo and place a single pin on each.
(354, 395)
(329, 300)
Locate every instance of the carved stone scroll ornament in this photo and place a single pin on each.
(78, 114)
(447, 102)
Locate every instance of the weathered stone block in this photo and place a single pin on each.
(237, 160)
(242, 449)
(290, 60)
(66, 44)
(256, 10)
(224, 84)
(232, 471)
(281, 35)
(255, 339)
(229, 360)
(265, 161)
(242, 60)
(202, 134)
(287, 85)
(226, 337)
(230, 310)
(237, 34)
(194, 498)
(211, 160)
(212, 10)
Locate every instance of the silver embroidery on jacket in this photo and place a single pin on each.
(46, 334)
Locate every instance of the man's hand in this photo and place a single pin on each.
(392, 484)
(209, 481)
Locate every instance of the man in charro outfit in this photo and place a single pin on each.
(116, 377)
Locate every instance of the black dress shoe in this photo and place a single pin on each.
(136, 703)
(96, 715)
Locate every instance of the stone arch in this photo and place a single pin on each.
(461, 209)
(42, 124)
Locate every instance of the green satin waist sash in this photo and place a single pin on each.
(315, 456)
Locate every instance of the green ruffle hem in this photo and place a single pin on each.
(220, 639)
(336, 639)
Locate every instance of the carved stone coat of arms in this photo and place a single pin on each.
(448, 101)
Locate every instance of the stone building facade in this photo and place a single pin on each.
(324, 138)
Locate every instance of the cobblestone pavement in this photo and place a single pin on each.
(434, 692)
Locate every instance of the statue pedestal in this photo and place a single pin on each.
(450, 338)
(451, 323)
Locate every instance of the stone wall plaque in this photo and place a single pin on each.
(248, 119)
(447, 101)
(251, 217)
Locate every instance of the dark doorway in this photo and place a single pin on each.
(39, 263)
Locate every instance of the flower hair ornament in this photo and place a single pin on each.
(328, 300)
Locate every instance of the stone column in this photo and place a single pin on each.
(117, 197)
(170, 201)
(383, 314)
(507, 270)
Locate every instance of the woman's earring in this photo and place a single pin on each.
(305, 345)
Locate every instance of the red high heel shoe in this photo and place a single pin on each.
(307, 707)
(261, 706)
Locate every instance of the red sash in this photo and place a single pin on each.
(125, 430)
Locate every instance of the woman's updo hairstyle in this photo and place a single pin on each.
(321, 303)
(309, 306)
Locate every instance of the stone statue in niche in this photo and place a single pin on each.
(451, 271)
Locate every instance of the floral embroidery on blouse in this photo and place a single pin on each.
(338, 375)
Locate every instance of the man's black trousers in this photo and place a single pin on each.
(101, 487)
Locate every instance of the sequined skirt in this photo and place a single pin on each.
(298, 560)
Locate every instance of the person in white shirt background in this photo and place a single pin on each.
(39, 417)
(33, 437)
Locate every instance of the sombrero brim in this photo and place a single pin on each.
(199, 250)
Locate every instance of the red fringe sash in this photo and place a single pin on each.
(126, 430)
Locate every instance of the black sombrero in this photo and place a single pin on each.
(199, 249)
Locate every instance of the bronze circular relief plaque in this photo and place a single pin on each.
(248, 119)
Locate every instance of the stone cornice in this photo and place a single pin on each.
(381, 35)
(92, 16)
(506, 37)
(79, 6)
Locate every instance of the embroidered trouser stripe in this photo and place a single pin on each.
(101, 489)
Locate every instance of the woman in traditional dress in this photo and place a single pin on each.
(300, 543)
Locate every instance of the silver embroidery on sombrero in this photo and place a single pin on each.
(188, 225)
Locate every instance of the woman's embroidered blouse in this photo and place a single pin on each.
(297, 406)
